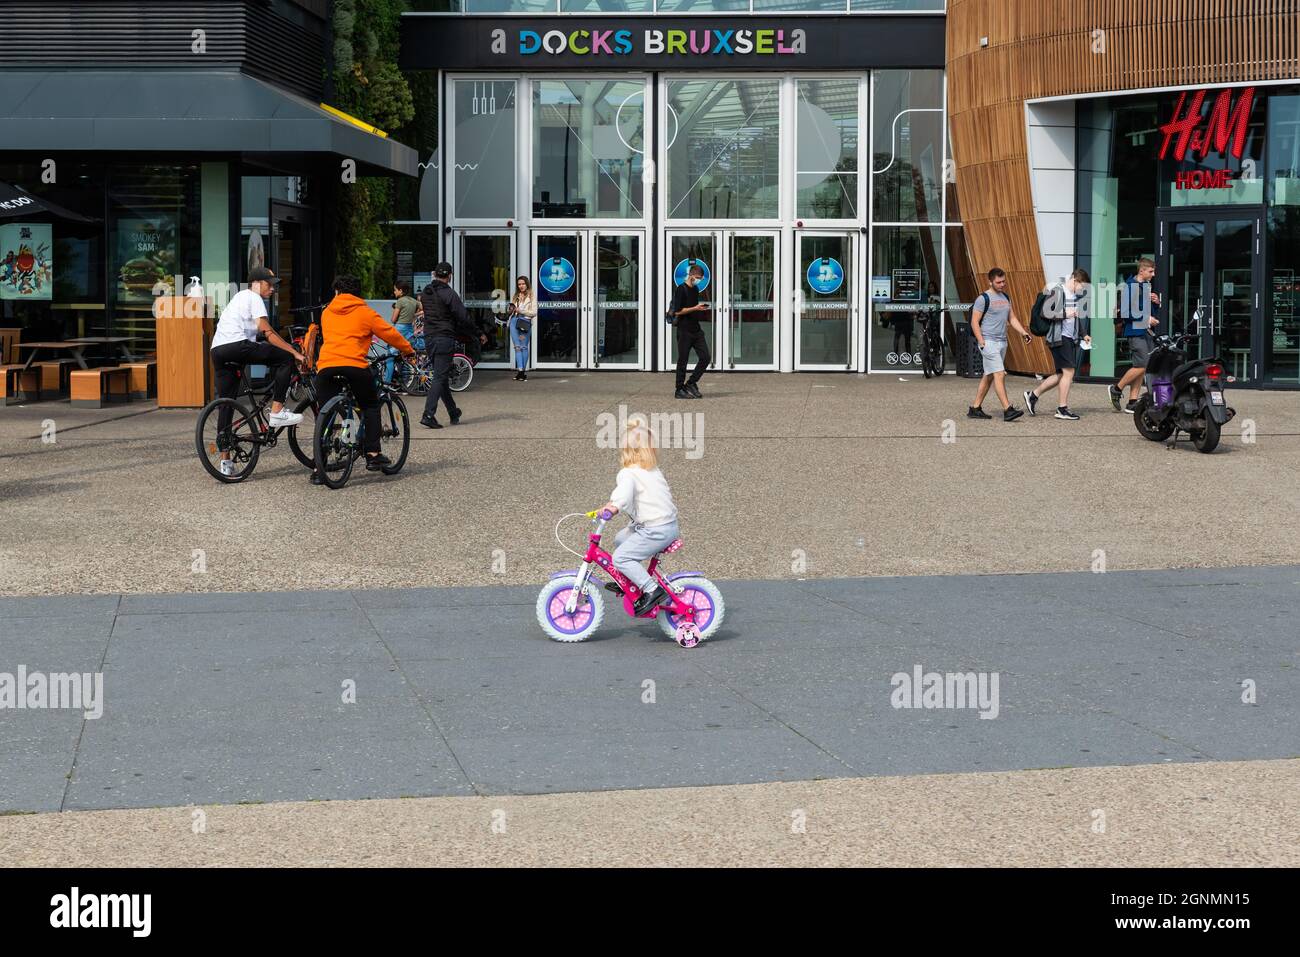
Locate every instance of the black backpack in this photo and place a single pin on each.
(1039, 324)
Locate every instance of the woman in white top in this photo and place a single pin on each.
(523, 311)
(642, 492)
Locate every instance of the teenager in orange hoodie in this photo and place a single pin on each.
(347, 326)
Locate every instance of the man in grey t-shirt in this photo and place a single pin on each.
(989, 318)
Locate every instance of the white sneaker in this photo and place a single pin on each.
(227, 467)
(283, 419)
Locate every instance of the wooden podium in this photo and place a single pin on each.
(184, 333)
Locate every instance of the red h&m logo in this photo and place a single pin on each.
(1225, 126)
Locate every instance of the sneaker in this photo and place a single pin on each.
(1031, 401)
(376, 462)
(455, 416)
(1131, 408)
(316, 479)
(649, 599)
(227, 467)
(519, 376)
(523, 377)
(694, 390)
(681, 393)
(1115, 396)
(975, 412)
(1063, 412)
(1011, 414)
(283, 419)
(429, 422)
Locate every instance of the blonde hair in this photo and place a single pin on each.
(638, 446)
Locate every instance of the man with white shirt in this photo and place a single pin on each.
(234, 344)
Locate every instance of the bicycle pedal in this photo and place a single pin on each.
(613, 587)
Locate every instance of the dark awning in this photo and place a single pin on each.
(16, 201)
(181, 111)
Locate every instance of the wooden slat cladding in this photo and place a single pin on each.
(1040, 48)
(237, 34)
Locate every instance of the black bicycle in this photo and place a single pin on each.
(339, 431)
(231, 433)
(931, 345)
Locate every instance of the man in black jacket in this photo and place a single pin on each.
(445, 318)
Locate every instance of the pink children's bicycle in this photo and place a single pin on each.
(571, 606)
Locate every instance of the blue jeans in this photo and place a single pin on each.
(636, 544)
(520, 342)
(408, 332)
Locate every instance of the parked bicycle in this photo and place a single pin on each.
(339, 434)
(236, 429)
(413, 378)
(931, 345)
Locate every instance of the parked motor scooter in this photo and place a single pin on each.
(1183, 395)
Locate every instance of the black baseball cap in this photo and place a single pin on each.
(442, 269)
(262, 274)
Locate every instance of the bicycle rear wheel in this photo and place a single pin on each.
(237, 443)
(302, 450)
(395, 440)
(462, 373)
(337, 441)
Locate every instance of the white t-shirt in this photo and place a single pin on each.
(238, 320)
(644, 496)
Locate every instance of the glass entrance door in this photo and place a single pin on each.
(590, 296)
(484, 278)
(1210, 277)
(825, 313)
(741, 279)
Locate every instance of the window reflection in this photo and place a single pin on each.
(588, 148)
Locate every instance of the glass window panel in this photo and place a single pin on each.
(1281, 358)
(840, 6)
(506, 6)
(1284, 150)
(907, 122)
(892, 6)
(701, 6)
(607, 6)
(588, 147)
(484, 171)
(724, 149)
(904, 290)
(618, 299)
(486, 275)
(827, 149)
(825, 313)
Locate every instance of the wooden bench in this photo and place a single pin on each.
(9, 339)
(91, 388)
(144, 378)
(53, 379)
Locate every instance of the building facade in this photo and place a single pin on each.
(796, 150)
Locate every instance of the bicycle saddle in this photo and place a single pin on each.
(673, 546)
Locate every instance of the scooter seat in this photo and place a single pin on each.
(675, 544)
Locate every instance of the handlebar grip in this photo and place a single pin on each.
(606, 515)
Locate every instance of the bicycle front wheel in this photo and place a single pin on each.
(227, 433)
(462, 373)
(395, 439)
(338, 441)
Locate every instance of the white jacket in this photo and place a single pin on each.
(644, 496)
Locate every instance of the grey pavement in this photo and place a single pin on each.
(842, 475)
(229, 698)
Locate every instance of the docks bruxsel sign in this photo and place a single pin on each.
(616, 43)
(1192, 133)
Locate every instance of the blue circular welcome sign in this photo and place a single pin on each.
(556, 275)
(679, 274)
(825, 275)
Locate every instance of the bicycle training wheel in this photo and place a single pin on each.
(237, 443)
(337, 441)
(395, 433)
(462, 373)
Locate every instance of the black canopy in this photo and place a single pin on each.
(16, 201)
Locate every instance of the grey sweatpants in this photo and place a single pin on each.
(636, 544)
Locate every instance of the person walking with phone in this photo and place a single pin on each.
(1069, 332)
(990, 316)
(687, 309)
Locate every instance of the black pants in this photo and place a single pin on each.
(232, 355)
(904, 336)
(441, 349)
(330, 382)
(691, 336)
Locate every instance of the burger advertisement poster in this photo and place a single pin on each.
(26, 263)
(146, 255)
